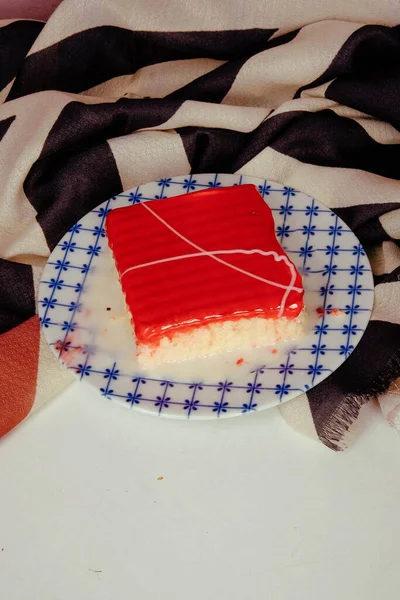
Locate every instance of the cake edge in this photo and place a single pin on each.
(221, 337)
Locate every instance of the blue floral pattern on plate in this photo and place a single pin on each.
(336, 275)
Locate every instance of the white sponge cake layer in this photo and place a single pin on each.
(217, 338)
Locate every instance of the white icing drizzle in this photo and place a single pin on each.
(213, 254)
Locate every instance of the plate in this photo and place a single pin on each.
(83, 316)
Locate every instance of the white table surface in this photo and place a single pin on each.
(247, 508)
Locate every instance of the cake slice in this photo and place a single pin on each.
(203, 273)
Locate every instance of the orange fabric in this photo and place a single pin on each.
(19, 351)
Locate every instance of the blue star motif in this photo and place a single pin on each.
(68, 326)
(76, 228)
(198, 386)
(103, 212)
(191, 405)
(286, 210)
(335, 230)
(306, 251)
(357, 269)
(106, 392)
(318, 349)
(62, 346)
(165, 182)
(93, 250)
(225, 386)
(220, 407)
(133, 398)
(332, 250)
(358, 250)
(309, 229)
(189, 184)
(327, 290)
(83, 370)
(167, 384)
(162, 403)
(321, 329)
(253, 387)
(74, 306)
(351, 309)
(283, 230)
(57, 284)
(247, 407)
(349, 329)
(329, 270)
(282, 390)
(50, 303)
(99, 232)
(286, 369)
(264, 189)
(45, 321)
(354, 289)
(67, 246)
(312, 210)
(62, 265)
(346, 350)
(288, 191)
(111, 374)
(314, 370)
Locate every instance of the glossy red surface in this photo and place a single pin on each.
(181, 293)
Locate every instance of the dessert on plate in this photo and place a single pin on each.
(203, 273)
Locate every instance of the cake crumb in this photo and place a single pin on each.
(160, 478)
(274, 351)
(336, 312)
(108, 308)
(240, 361)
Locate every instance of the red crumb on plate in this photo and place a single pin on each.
(240, 361)
(67, 354)
(274, 351)
(64, 346)
(336, 312)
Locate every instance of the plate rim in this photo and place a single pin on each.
(191, 178)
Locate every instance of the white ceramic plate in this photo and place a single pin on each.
(82, 312)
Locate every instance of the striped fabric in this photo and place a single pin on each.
(111, 94)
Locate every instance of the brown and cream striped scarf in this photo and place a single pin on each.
(108, 95)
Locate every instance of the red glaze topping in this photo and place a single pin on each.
(183, 287)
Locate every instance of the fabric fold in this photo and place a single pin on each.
(95, 102)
